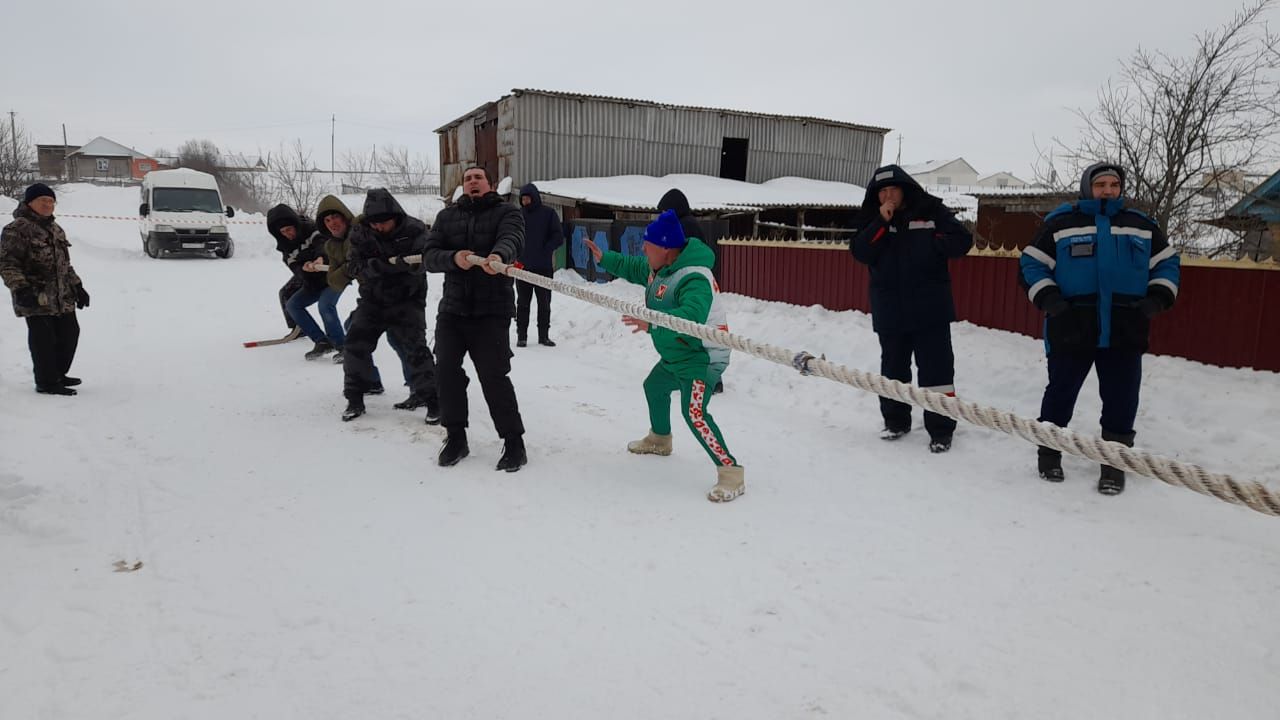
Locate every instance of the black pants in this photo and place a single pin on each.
(53, 340)
(286, 292)
(937, 369)
(1119, 380)
(487, 338)
(524, 293)
(406, 327)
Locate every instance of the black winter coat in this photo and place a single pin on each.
(543, 232)
(485, 226)
(383, 282)
(910, 282)
(306, 246)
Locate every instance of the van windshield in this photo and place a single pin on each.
(185, 200)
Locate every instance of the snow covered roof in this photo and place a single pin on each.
(1000, 173)
(102, 147)
(706, 193)
(933, 166)
(1028, 191)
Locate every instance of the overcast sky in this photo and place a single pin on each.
(982, 79)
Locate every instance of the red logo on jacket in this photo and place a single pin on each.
(662, 290)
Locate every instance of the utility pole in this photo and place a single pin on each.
(66, 156)
(333, 123)
(898, 160)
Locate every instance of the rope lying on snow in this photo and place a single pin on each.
(1251, 494)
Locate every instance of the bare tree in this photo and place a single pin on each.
(17, 153)
(296, 177)
(1179, 125)
(356, 167)
(202, 155)
(405, 171)
(249, 188)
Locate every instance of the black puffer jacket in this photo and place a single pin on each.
(382, 281)
(307, 244)
(485, 226)
(910, 281)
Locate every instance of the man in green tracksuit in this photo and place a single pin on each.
(677, 275)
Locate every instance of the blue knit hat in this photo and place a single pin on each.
(666, 231)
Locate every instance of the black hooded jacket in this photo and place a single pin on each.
(542, 232)
(485, 226)
(675, 200)
(910, 282)
(306, 246)
(383, 282)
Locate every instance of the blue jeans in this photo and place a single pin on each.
(404, 366)
(328, 304)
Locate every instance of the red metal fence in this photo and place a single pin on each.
(1227, 314)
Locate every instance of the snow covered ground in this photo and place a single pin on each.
(294, 566)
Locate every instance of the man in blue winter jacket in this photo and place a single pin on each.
(542, 235)
(1100, 271)
(906, 238)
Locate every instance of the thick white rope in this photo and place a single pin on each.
(1251, 494)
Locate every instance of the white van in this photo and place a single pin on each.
(182, 211)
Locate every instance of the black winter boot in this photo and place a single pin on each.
(513, 454)
(413, 402)
(58, 389)
(433, 412)
(1050, 462)
(544, 340)
(355, 408)
(319, 351)
(454, 448)
(68, 381)
(1111, 481)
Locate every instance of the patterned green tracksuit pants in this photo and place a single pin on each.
(695, 395)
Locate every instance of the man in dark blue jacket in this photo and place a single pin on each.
(542, 235)
(1100, 271)
(906, 238)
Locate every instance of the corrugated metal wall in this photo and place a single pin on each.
(1223, 315)
(558, 137)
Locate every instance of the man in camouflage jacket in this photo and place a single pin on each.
(35, 264)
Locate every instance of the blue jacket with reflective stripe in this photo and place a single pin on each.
(1103, 259)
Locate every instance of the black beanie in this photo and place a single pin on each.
(36, 191)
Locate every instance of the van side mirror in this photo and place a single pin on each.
(144, 209)
(231, 212)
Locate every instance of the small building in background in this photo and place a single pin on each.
(532, 135)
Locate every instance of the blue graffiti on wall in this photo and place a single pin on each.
(582, 256)
(632, 241)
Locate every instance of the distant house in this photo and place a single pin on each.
(103, 159)
(1002, 179)
(956, 172)
(1256, 217)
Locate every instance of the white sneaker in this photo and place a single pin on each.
(730, 483)
(651, 444)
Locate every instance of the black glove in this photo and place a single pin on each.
(82, 298)
(1055, 304)
(1150, 306)
(26, 297)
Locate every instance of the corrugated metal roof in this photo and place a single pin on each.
(517, 92)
